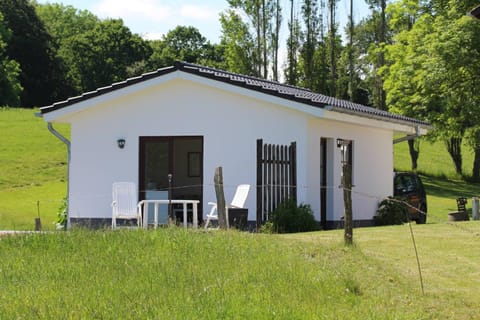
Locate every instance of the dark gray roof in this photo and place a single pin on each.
(256, 84)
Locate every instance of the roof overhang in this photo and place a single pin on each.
(298, 99)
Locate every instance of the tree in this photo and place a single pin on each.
(103, 55)
(293, 45)
(322, 55)
(185, 44)
(238, 44)
(403, 15)
(312, 32)
(275, 37)
(10, 87)
(261, 14)
(434, 75)
(30, 45)
(332, 7)
(376, 51)
(351, 63)
(66, 24)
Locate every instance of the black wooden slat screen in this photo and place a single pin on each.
(276, 177)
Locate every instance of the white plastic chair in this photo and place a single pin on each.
(238, 201)
(125, 204)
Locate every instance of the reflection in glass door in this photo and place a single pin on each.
(180, 156)
(154, 179)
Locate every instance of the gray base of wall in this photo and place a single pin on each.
(92, 223)
(106, 223)
(331, 225)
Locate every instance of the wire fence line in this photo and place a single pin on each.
(432, 218)
(232, 187)
(354, 191)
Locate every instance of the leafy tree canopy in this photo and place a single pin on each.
(96, 52)
(10, 87)
(34, 49)
(433, 74)
(185, 44)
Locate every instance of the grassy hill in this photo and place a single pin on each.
(33, 172)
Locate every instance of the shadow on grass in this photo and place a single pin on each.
(444, 188)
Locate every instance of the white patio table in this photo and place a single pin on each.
(145, 203)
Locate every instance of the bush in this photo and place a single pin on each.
(61, 223)
(391, 210)
(289, 218)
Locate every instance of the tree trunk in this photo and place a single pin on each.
(350, 55)
(476, 166)
(454, 147)
(293, 44)
(414, 153)
(258, 50)
(333, 61)
(290, 56)
(264, 40)
(383, 32)
(278, 17)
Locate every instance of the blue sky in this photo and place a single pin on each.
(153, 18)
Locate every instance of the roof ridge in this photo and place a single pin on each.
(182, 64)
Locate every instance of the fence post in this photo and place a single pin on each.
(171, 217)
(345, 149)
(221, 210)
(259, 184)
(475, 208)
(293, 170)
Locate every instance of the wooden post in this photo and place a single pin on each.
(38, 223)
(221, 210)
(259, 184)
(171, 216)
(347, 200)
(346, 150)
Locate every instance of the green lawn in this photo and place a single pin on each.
(172, 273)
(434, 159)
(443, 185)
(33, 170)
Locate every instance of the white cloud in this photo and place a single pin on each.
(133, 10)
(198, 12)
(154, 18)
(152, 35)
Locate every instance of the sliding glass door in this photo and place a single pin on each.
(182, 157)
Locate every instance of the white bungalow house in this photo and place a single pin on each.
(187, 119)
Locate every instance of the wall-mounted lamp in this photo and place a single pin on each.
(345, 149)
(121, 143)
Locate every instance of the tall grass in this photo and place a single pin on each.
(178, 274)
(449, 259)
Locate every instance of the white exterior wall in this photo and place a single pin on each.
(372, 170)
(230, 119)
(229, 123)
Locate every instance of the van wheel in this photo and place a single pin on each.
(422, 218)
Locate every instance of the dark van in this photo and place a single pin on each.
(409, 186)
